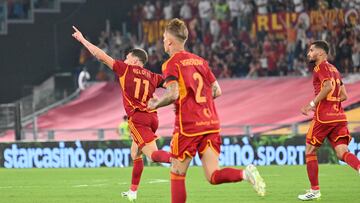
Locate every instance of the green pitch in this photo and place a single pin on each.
(102, 185)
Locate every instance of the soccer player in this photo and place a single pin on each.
(191, 85)
(138, 85)
(329, 119)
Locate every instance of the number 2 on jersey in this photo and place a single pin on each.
(330, 96)
(137, 89)
(198, 97)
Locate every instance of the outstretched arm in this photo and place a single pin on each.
(94, 50)
(171, 94)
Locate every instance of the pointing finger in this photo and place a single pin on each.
(75, 29)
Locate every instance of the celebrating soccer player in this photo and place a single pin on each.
(191, 85)
(329, 119)
(138, 85)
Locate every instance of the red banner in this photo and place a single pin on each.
(279, 22)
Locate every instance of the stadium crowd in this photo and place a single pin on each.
(220, 31)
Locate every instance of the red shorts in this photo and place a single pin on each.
(143, 126)
(337, 133)
(182, 146)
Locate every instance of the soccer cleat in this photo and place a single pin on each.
(130, 195)
(310, 195)
(253, 176)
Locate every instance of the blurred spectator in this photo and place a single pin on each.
(123, 129)
(214, 28)
(261, 6)
(222, 10)
(149, 11)
(186, 12)
(205, 13)
(356, 54)
(158, 10)
(168, 11)
(299, 6)
(234, 7)
(221, 31)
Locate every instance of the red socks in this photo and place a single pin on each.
(226, 175)
(178, 191)
(160, 156)
(136, 173)
(312, 167)
(351, 160)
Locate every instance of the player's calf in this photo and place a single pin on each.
(226, 175)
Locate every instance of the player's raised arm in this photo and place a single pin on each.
(216, 89)
(343, 93)
(171, 94)
(94, 50)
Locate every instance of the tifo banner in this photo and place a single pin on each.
(235, 151)
(317, 19)
(153, 30)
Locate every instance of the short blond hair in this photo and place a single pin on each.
(178, 29)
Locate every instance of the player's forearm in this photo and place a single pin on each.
(343, 94)
(216, 90)
(322, 94)
(98, 53)
(171, 94)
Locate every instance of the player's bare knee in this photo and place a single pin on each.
(340, 152)
(134, 155)
(310, 149)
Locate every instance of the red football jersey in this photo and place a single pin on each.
(195, 109)
(138, 85)
(328, 110)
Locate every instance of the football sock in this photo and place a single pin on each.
(160, 156)
(136, 173)
(178, 191)
(351, 160)
(226, 175)
(312, 167)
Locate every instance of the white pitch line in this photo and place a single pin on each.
(6, 187)
(158, 181)
(94, 185)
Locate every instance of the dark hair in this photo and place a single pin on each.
(140, 54)
(178, 29)
(321, 44)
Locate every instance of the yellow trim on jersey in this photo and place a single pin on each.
(343, 136)
(175, 144)
(163, 67)
(183, 94)
(211, 146)
(311, 129)
(317, 68)
(122, 79)
(135, 132)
